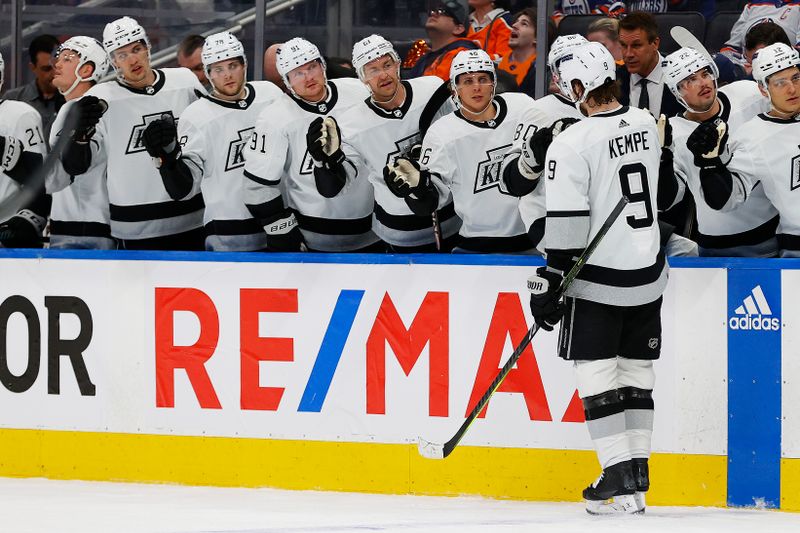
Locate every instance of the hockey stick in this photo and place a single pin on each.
(433, 450)
(687, 39)
(11, 204)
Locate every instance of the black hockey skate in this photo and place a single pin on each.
(641, 476)
(614, 492)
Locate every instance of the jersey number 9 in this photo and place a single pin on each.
(633, 179)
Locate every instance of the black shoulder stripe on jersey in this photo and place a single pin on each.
(156, 211)
(496, 245)
(80, 229)
(246, 226)
(412, 222)
(334, 226)
(751, 237)
(262, 181)
(436, 101)
(581, 213)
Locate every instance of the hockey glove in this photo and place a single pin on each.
(706, 142)
(405, 178)
(324, 141)
(545, 308)
(283, 235)
(89, 110)
(160, 139)
(664, 131)
(10, 152)
(23, 230)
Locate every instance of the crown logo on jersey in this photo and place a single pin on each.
(795, 171)
(623, 124)
(236, 149)
(135, 144)
(403, 146)
(488, 174)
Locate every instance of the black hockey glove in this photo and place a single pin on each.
(324, 141)
(89, 110)
(23, 230)
(545, 308)
(10, 152)
(283, 235)
(160, 139)
(404, 178)
(706, 142)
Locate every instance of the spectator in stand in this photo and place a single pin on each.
(490, 27)
(606, 32)
(520, 63)
(706, 7)
(760, 36)
(189, 51)
(40, 93)
(784, 13)
(446, 31)
(591, 7)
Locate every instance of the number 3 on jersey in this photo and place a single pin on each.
(633, 179)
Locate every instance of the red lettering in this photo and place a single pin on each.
(255, 348)
(574, 412)
(190, 358)
(509, 320)
(430, 326)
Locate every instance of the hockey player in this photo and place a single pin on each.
(462, 154)
(613, 329)
(749, 230)
(524, 162)
(762, 150)
(22, 147)
(214, 132)
(391, 122)
(79, 217)
(143, 216)
(280, 161)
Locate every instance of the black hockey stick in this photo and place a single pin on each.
(433, 450)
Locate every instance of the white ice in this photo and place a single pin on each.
(47, 506)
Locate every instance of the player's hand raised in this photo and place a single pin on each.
(404, 177)
(160, 139)
(706, 142)
(90, 110)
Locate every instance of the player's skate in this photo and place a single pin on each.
(641, 476)
(614, 492)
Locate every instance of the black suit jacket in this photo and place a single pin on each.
(669, 105)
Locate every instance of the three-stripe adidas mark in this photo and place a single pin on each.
(755, 313)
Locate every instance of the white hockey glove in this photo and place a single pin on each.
(10, 152)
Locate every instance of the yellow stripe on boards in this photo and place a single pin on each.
(513, 473)
(790, 485)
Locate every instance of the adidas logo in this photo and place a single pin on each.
(755, 313)
(623, 124)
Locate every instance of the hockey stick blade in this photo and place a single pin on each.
(432, 450)
(687, 39)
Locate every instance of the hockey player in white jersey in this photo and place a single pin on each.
(764, 150)
(748, 230)
(143, 216)
(540, 123)
(364, 141)
(22, 148)
(461, 156)
(612, 329)
(79, 217)
(213, 134)
(281, 163)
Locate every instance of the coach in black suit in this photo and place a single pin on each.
(642, 77)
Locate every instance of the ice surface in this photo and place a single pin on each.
(47, 506)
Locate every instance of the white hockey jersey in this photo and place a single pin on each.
(589, 167)
(464, 159)
(215, 135)
(23, 122)
(767, 149)
(373, 137)
(541, 114)
(279, 161)
(748, 230)
(79, 216)
(140, 207)
(785, 14)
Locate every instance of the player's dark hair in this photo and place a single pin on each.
(765, 33)
(604, 94)
(639, 20)
(190, 43)
(42, 43)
